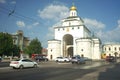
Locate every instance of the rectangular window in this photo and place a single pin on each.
(115, 49)
(109, 49)
(58, 29)
(105, 49)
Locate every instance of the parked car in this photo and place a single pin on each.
(110, 58)
(78, 60)
(62, 59)
(23, 63)
(41, 58)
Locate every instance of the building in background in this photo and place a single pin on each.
(111, 49)
(73, 38)
(21, 41)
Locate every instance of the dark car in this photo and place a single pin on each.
(41, 58)
(77, 60)
(110, 58)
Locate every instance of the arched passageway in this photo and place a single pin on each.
(67, 45)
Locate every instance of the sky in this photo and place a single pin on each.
(37, 18)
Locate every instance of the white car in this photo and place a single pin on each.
(22, 63)
(62, 59)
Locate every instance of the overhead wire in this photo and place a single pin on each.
(16, 14)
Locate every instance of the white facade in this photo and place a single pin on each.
(111, 49)
(73, 38)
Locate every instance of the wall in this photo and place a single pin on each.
(54, 49)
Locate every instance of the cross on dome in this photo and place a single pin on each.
(73, 7)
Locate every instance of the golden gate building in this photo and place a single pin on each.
(73, 38)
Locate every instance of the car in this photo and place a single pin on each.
(78, 60)
(23, 63)
(110, 58)
(41, 58)
(62, 59)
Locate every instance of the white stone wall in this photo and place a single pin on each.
(96, 48)
(54, 49)
(76, 32)
(83, 47)
(89, 48)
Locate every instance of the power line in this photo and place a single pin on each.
(15, 14)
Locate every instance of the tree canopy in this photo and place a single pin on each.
(6, 44)
(34, 47)
(16, 50)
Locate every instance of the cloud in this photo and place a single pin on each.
(20, 23)
(118, 23)
(113, 35)
(36, 23)
(93, 24)
(54, 12)
(2, 1)
(98, 28)
(50, 34)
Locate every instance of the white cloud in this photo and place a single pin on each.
(98, 28)
(54, 12)
(2, 1)
(93, 24)
(118, 23)
(50, 34)
(36, 23)
(113, 35)
(20, 23)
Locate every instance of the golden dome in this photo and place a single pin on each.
(73, 8)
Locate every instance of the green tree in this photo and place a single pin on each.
(34, 47)
(6, 44)
(16, 51)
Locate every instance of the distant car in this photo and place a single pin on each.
(110, 58)
(78, 60)
(23, 63)
(41, 58)
(62, 59)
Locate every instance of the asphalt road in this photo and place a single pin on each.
(58, 71)
(4, 64)
(45, 71)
